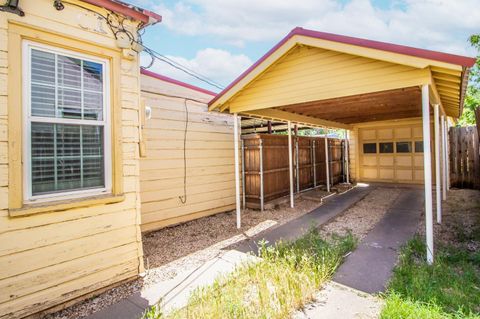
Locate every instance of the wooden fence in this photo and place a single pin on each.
(265, 165)
(464, 157)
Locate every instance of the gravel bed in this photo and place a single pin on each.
(364, 215)
(187, 246)
(460, 217)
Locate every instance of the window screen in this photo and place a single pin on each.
(418, 146)
(369, 148)
(66, 122)
(404, 147)
(386, 147)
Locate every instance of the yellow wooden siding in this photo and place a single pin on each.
(50, 258)
(209, 152)
(309, 74)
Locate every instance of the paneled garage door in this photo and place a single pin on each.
(391, 154)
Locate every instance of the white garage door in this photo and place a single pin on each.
(391, 154)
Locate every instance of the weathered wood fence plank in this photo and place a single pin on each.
(309, 165)
(464, 157)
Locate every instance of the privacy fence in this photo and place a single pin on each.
(464, 157)
(265, 168)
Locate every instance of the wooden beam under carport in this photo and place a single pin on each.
(279, 115)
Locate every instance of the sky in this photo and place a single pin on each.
(221, 38)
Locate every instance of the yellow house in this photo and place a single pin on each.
(186, 170)
(382, 94)
(69, 163)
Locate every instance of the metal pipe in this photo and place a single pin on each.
(314, 166)
(444, 160)
(297, 166)
(427, 170)
(447, 151)
(347, 165)
(261, 175)
(436, 121)
(290, 162)
(243, 176)
(237, 173)
(327, 163)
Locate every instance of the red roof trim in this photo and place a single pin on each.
(384, 46)
(173, 81)
(128, 10)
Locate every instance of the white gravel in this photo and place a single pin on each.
(364, 215)
(187, 246)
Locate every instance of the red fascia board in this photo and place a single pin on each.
(131, 11)
(384, 46)
(173, 81)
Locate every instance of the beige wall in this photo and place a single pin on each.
(210, 159)
(50, 257)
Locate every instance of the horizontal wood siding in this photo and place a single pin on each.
(308, 74)
(53, 257)
(209, 157)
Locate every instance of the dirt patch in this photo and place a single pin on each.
(460, 220)
(364, 215)
(190, 245)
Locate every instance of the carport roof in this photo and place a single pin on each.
(449, 72)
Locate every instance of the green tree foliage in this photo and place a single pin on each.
(472, 97)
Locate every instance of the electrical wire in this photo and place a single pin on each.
(117, 26)
(183, 199)
(158, 56)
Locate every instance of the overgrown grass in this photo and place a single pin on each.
(285, 279)
(450, 288)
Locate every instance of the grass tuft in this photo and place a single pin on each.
(284, 280)
(450, 288)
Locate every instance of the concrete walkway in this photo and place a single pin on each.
(174, 293)
(370, 266)
(336, 301)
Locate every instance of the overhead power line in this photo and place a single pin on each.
(160, 57)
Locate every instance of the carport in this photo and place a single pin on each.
(319, 79)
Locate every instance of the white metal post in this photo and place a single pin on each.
(447, 151)
(290, 161)
(444, 160)
(243, 175)
(261, 175)
(236, 118)
(438, 188)
(327, 164)
(427, 169)
(347, 168)
(297, 166)
(314, 165)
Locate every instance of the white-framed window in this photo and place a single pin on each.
(66, 111)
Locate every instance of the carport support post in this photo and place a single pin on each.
(444, 160)
(427, 170)
(290, 161)
(347, 168)
(236, 118)
(436, 121)
(327, 168)
(447, 154)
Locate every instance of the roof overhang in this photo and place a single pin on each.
(447, 73)
(145, 16)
